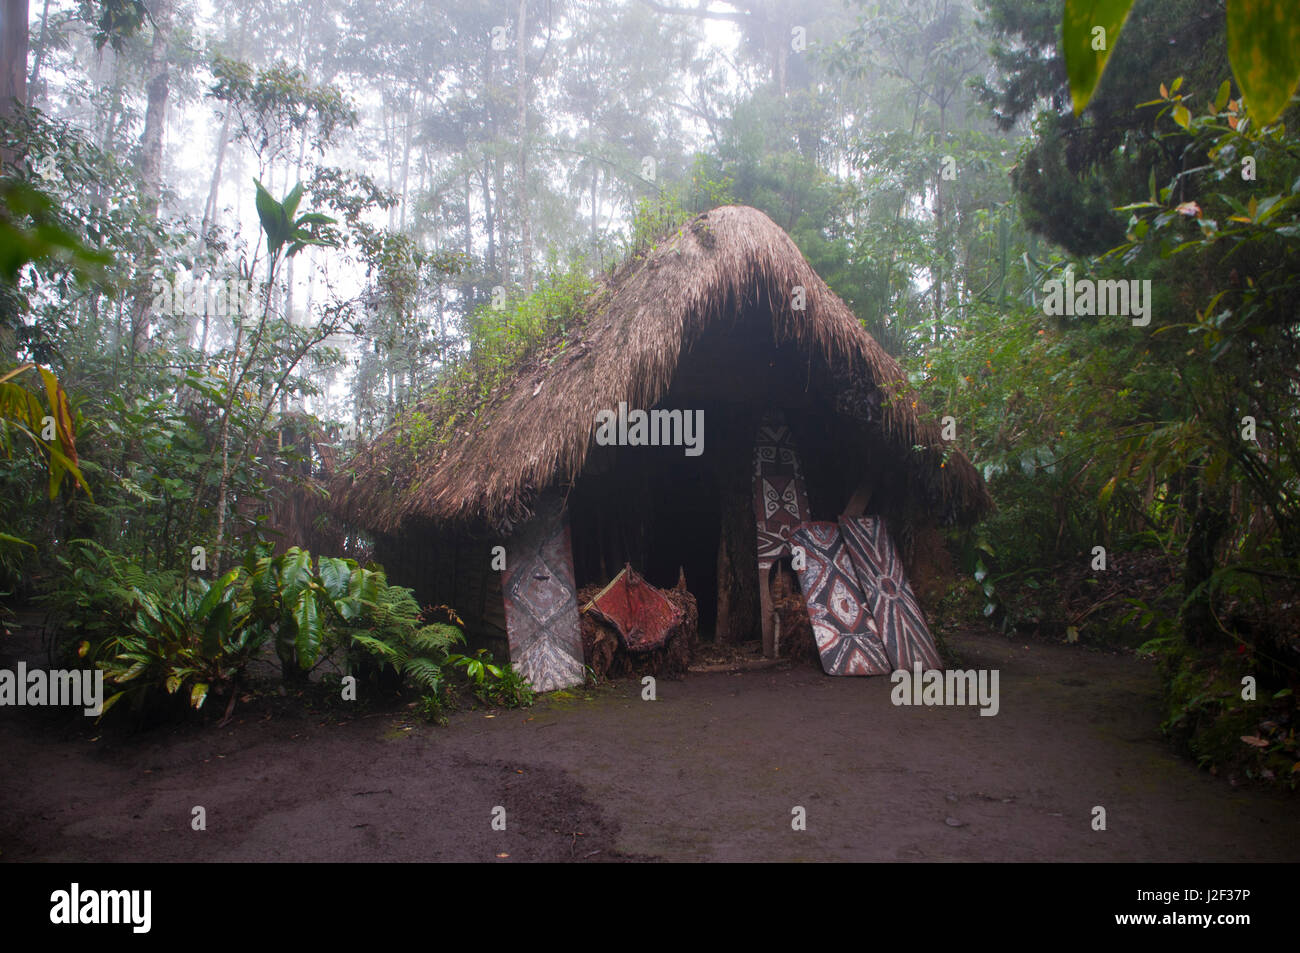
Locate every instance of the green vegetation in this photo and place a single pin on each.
(156, 635)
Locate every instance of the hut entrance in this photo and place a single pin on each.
(684, 534)
(657, 509)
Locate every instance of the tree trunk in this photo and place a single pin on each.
(1209, 523)
(210, 206)
(155, 116)
(406, 159)
(42, 47)
(521, 187)
(489, 221)
(151, 143)
(13, 63)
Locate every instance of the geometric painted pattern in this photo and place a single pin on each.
(844, 629)
(642, 615)
(541, 601)
(780, 501)
(890, 598)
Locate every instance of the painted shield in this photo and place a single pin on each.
(642, 615)
(890, 598)
(541, 602)
(843, 627)
(780, 501)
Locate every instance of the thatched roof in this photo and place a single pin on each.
(537, 429)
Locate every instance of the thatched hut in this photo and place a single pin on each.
(724, 321)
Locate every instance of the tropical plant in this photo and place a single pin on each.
(198, 640)
(492, 683)
(51, 430)
(282, 228)
(296, 603)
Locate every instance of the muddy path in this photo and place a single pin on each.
(711, 770)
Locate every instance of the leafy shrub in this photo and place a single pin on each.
(202, 635)
(201, 639)
(395, 638)
(493, 684)
(156, 635)
(93, 594)
(298, 604)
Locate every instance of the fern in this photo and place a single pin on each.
(437, 639)
(380, 649)
(425, 672)
(393, 635)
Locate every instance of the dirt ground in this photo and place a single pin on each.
(711, 770)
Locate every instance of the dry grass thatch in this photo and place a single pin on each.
(536, 430)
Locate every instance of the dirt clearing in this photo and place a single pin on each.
(711, 770)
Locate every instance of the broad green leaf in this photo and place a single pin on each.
(1264, 50)
(214, 594)
(130, 673)
(290, 203)
(215, 628)
(1221, 97)
(335, 575)
(295, 575)
(62, 413)
(1088, 23)
(198, 694)
(271, 214)
(266, 582)
(364, 585)
(310, 630)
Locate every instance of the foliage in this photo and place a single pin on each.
(94, 591)
(275, 104)
(197, 637)
(115, 20)
(282, 228)
(493, 684)
(394, 637)
(501, 335)
(1263, 47)
(50, 429)
(192, 632)
(1211, 716)
(31, 232)
(1072, 170)
(1090, 30)
(295, 603)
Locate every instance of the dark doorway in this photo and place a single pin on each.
(686, 520)
(653, 507)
